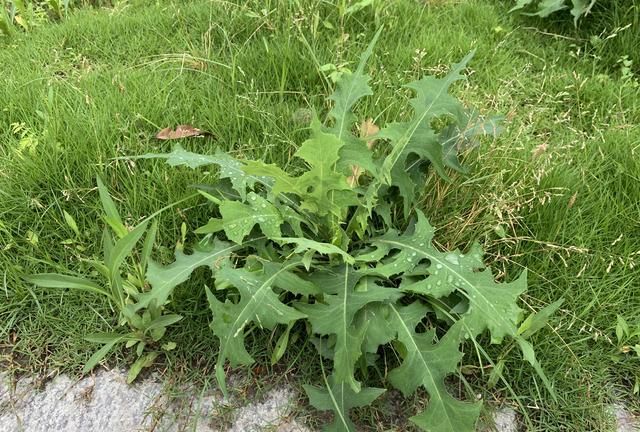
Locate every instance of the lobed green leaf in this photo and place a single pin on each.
(164, 279)
(427, 364)
(339, 397)
(335, 316)
(258, 303)
(491, 305)
(417, 136)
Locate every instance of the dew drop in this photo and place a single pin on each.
(449, 278)
(452, 259)
(438, 266)
(439, 283)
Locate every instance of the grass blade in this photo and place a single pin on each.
(71, 222)
(112, 217)
(54, 280)
(149, 240)
(123, 247)
(100, 354)
(163, 321)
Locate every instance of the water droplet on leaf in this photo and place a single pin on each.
(452, 259)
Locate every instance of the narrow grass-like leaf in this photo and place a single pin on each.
(54, 280)
(281, 344)
(112, 217)
(5, 23)
(71, 223)
(107, 244)
(141, 363)
(147, 247)
(537, 320)
(103, 338)
(162, 322)
(101, 353)
(99, 267)
(123, 248)
(529, 355)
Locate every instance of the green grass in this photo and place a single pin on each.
(562, 182)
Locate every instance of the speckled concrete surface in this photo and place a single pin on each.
(625, 421)
(104, 402)
(506, 420)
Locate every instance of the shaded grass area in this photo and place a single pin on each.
(558, 192)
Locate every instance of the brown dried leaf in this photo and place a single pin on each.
(182, 131)
(367, 129)
(356, 172)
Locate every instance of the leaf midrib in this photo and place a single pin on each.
(248, 218)
(459, 275)
(407, 136)
(265, 284)
(343, 116)
(435, 386)
(189, 269)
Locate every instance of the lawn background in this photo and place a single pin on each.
(558, 192)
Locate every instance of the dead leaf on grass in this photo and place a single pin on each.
(367, 128)
(356, 172)
(182, 131)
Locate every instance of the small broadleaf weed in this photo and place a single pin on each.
(341, 246)
(544, 8)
